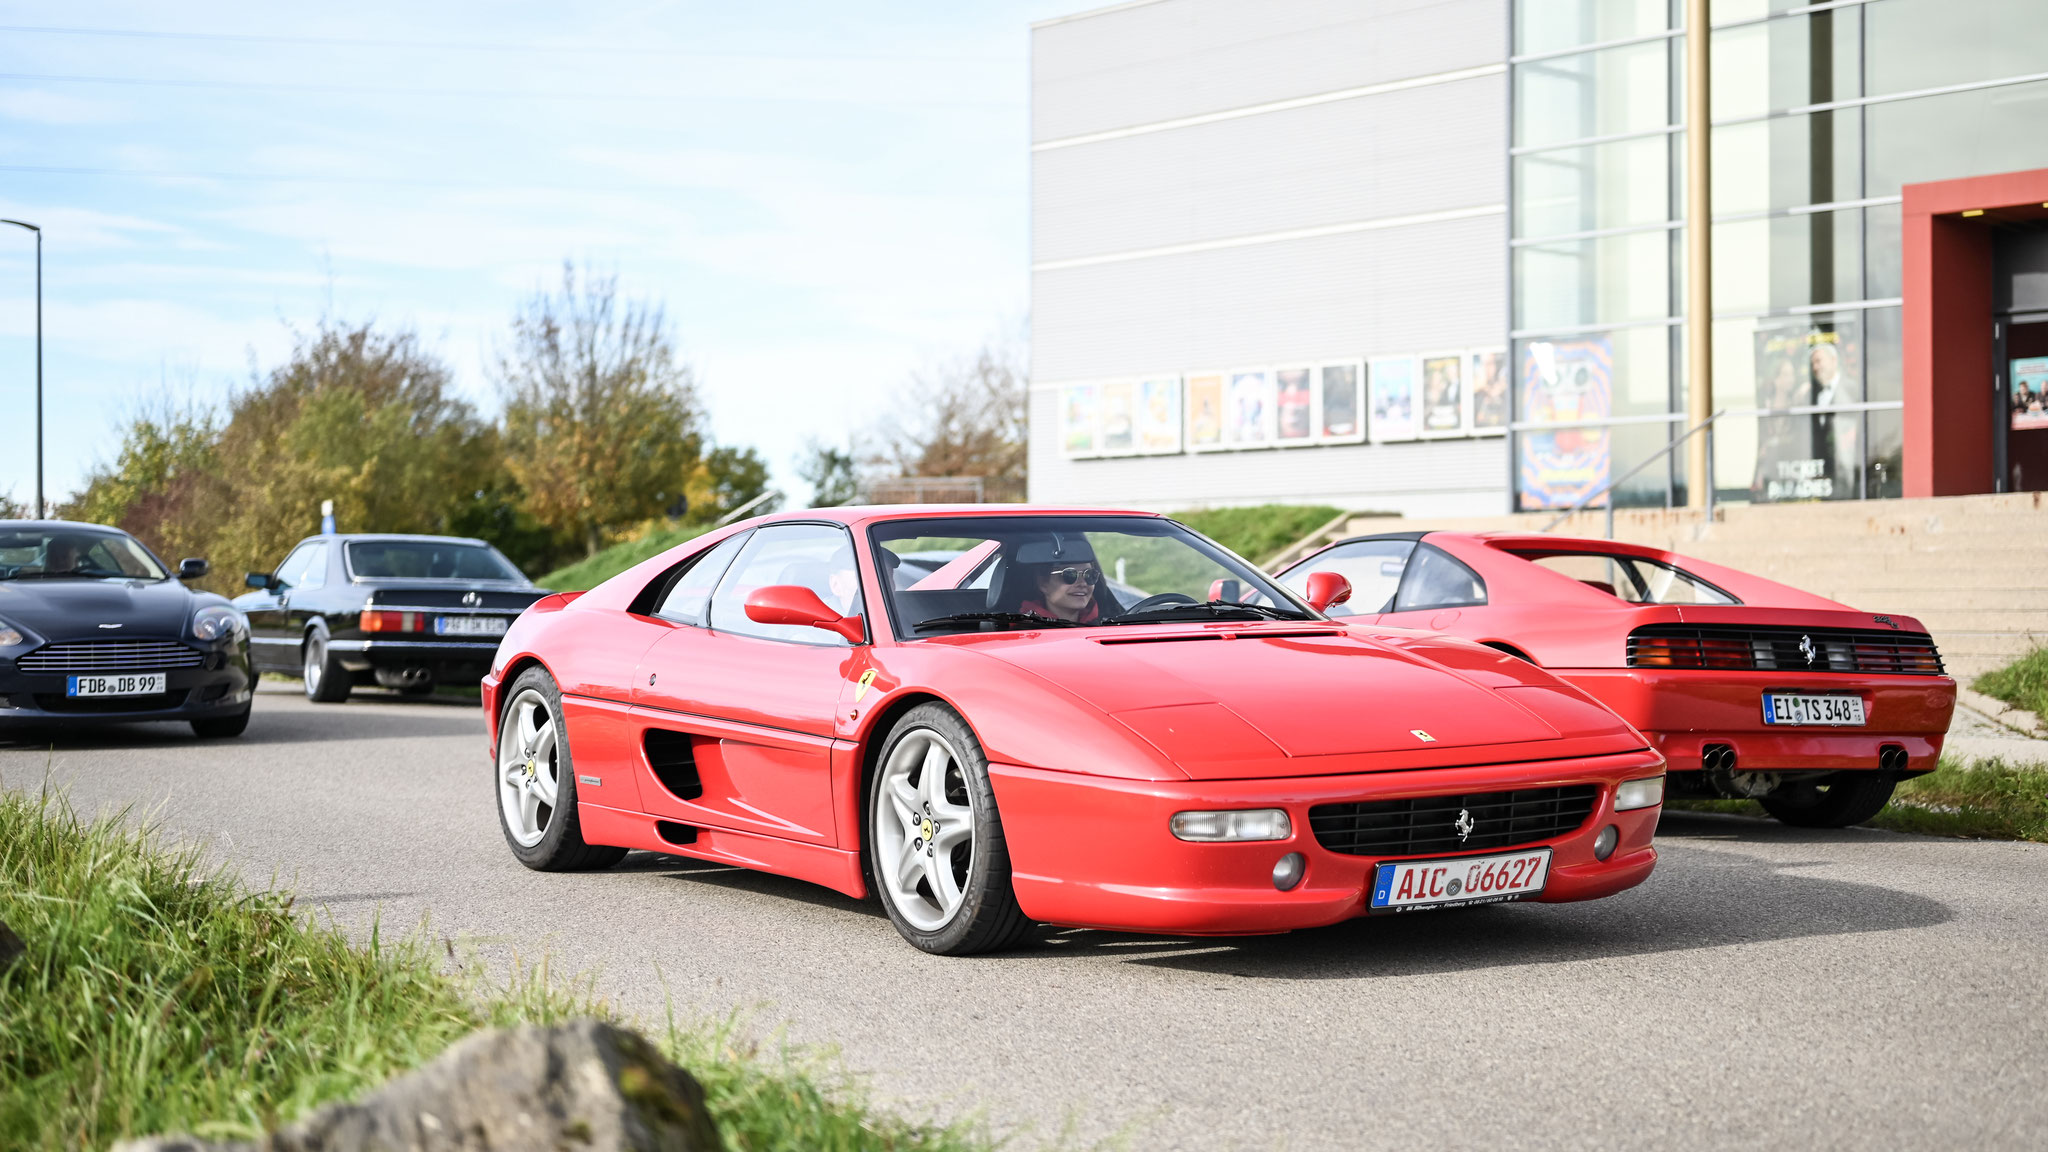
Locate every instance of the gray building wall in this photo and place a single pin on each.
(1342, 224)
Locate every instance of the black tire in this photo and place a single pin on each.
(561, 847)
(1831, 802)
(222, 727)
(988, 918)
(327, 682)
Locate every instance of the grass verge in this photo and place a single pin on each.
(2022, 683)
(1258, 532)
(594, 570)
(158, 995)
(1986, 800)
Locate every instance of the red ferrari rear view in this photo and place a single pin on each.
(1749, 688)
(993, 718)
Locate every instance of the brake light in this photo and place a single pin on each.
(381, 620)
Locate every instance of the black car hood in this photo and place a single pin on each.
(75, 609)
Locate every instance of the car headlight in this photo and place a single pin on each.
(216, 622)
(1645, 793)
(1254, 824)
(10, 636)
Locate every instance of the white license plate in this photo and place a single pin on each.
(1465, 880)
(144, 684)
(469, 625)
(1806, 708)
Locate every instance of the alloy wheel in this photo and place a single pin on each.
(924, 829)
(527, 764)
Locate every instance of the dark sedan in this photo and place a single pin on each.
(95, 629)
(404, 612)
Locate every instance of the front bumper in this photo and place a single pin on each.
(38, 700)
(1680, 711)
(1093, 852)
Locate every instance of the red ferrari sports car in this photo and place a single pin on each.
(1068, 717)
(1750, 688)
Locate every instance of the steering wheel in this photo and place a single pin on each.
(1161, 600)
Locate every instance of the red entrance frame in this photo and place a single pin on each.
(1948, 369)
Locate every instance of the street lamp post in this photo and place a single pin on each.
(39, 358)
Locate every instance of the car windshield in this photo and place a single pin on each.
(996, 572)
(1634, 579)
(71, 554)
(427, 560)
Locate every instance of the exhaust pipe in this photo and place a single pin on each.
(1717, 767)
(1891, 759)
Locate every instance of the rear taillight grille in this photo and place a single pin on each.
(1784, 650)
(1429, 825)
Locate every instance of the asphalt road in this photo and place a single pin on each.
(1767, 986)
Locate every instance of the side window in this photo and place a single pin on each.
(314, 574)
(689, 596)
(1374, 568)
(816, 556)
(1435, 579)
(292, 572)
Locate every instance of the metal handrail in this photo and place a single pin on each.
(1604, 490)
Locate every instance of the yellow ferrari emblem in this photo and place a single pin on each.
(1425, 737)
(861, 689)
(926, 828)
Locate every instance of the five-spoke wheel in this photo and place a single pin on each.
(935, 840)
(535, 779)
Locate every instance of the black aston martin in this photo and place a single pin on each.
(405, 612)
(94, 629)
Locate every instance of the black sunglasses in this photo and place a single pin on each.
(1087, 576)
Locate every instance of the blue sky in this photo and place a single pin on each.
(827, 196)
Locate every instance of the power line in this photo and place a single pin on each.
(473, 93)
(490, 46)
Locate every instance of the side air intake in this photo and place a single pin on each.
(674, 762)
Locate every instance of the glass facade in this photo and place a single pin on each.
(1819, 117)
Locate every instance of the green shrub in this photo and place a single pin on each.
(2022, 683)
(589, 573)
(1258, 533)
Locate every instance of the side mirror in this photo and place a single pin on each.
(798, 605)
(192, 568)
(261, 580)
(1225, 591)
(1326, 589)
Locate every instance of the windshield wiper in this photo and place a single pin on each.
(1024, 619)
(1212, 610)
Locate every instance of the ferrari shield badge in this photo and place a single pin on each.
(861, 689)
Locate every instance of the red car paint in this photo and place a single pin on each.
(1580, 632)
(1095, 737)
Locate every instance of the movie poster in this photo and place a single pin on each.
(1339, 403)
(1293, 406)
(1391, 384)
(1486, 387)
(2029, 393)
(1808, 456)
(1565, 381)
(1443, 395)
(1249, 416)
(1077, 419)
(1119, 419)
(1205, 412)
(1159, 415)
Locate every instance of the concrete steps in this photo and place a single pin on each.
(1974, 569)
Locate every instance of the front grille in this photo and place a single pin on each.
(1427, 825)
(1784, 650)
(110, 656)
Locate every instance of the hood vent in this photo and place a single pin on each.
(1186, 636)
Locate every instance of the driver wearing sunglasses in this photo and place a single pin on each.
(1066, 587)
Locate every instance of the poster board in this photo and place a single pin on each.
(1390, 388)
(1563, 381)
(1077, 419)
(1486, 391)
(1204, 401)
(1444, 410)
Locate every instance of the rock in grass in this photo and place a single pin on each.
(11, 946)
(584, 1086)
